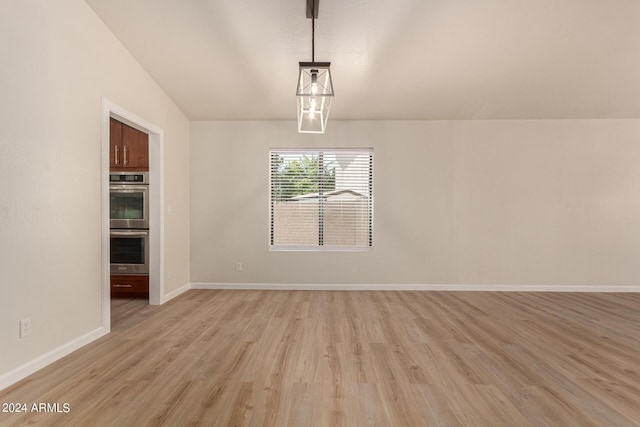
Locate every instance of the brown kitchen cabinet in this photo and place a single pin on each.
(129, 286)
(128, 148)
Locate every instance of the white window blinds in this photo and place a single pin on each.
(321, 199)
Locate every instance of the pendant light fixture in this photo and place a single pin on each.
(315, 88)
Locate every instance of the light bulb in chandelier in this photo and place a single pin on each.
(314, 81)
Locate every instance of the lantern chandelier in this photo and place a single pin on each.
(315, 88)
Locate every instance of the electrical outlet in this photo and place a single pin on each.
(25, 327)
(238, 266)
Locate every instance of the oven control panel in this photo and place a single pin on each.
(129, 178)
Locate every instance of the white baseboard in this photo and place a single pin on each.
(38, 363)
(171, 295)
(416, 287)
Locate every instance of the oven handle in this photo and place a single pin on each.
(128, 188)
(128, 233)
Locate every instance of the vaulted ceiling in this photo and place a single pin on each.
(390, 59)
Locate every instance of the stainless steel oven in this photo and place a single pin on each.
(129, 251)
(129, 200)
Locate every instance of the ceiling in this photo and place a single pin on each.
(390, 59)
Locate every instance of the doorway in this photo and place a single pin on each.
(156, 199)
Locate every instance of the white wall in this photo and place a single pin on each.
(553, 203)
(58, 61)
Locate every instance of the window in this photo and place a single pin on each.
(321, 199)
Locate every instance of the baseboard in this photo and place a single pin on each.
(38, 363)
(416, 287)
(171, 295)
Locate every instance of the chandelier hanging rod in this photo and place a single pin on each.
(312, 12)
(313, 38)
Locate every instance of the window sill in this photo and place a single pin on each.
(327, 248)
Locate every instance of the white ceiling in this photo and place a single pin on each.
(391, 59)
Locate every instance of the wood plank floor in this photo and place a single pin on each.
(324, 358)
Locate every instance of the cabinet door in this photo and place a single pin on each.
(135, 149)
(129, 286)
(115, 144)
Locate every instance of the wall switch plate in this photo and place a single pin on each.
(238, 266)
(25, 327)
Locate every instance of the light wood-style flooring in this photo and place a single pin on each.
(325, 358)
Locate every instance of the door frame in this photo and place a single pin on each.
(156, 203)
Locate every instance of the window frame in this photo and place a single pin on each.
(321, 247)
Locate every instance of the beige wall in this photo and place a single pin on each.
(58, 61)
(482, 203)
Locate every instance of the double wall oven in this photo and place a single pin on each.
(129, 222)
